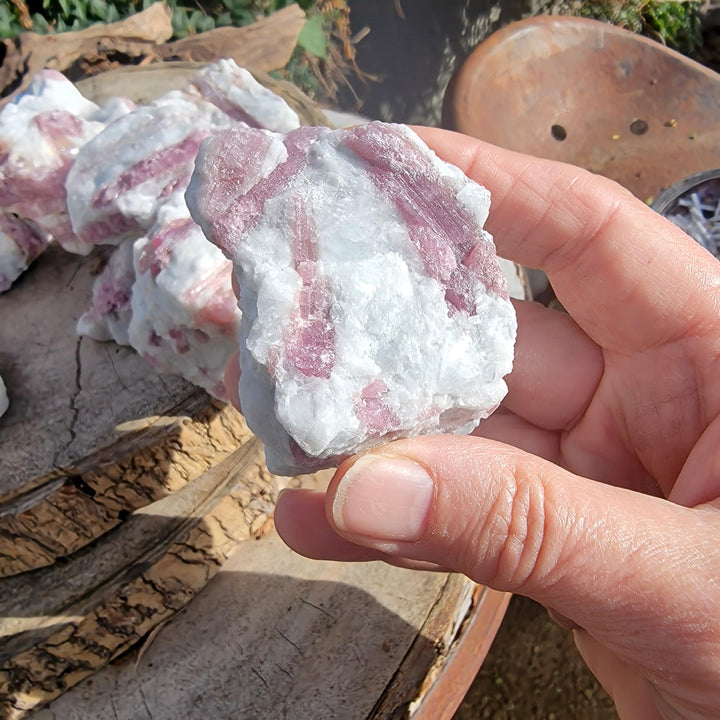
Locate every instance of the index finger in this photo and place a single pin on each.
(606, 253)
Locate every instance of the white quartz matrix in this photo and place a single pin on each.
(184, 316)
(127, 172)
(373, 305)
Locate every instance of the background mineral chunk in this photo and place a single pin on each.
(185, 318)
(108, 317)
(41, 132)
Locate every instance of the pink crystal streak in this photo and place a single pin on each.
(30, 243)
(109, 230)
(447, 237)
(34, 191)
(113, 296)
(163, 163)
(310, 344)
(234, 205)
(182, 345)
(218, 304)
(62, 127)
(221, 101)
(373, 412)
(157, 253)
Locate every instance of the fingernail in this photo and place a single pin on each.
(383, 498)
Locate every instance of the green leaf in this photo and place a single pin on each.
(204, 24)
(312, 37)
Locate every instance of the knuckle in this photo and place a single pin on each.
(509, 535)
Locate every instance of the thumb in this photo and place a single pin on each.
(617, 563)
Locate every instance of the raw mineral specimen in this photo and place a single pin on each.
(108, 317)
(20, 244)
(121, 178)
(40, 134)
(373, 305)
(169, 295)
(184, 317)
(236, 92)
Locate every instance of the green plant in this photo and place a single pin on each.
(676, 23)
(48, 16)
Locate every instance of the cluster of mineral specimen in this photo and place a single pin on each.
(166, 290)
(373, 305)
(184, 317)
(41, 133)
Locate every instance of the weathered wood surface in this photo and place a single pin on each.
(154, 458)
(447, 683)
(61, 623)
(134, 38)
(67, 394)
(92, 432)
(265, 45)
(275, 636)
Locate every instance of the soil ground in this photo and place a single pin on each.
(534, 672)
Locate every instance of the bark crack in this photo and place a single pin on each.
(74, 409)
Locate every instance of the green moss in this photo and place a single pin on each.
(677, 24)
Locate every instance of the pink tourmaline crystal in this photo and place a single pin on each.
(373, 303)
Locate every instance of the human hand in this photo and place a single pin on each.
(595, 489)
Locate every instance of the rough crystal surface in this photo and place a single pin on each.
(108, 316)
(373, 303)
(236, 92)
(185, 318)
(120, 178)
(40, 133)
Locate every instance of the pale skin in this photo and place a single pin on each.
(595, 488)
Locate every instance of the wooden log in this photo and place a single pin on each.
(28, 53)
(100, 460)
(265, 45)
(60, 624)
(92, 432)
(276, 636)
(67, 393)
(457, 659)
(149, 462)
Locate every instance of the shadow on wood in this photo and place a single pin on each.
(60, 624)
(272, 635)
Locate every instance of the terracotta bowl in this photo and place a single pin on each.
(591, 94)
